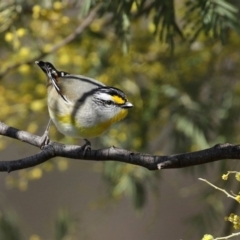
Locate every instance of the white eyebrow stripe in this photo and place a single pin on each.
(105, 96)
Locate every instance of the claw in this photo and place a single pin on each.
(44, 141)
(86, 147)
(45, 138)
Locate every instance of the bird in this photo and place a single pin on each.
(82, 107)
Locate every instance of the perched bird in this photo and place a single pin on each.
(82, 107)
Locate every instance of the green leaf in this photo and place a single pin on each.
(64, 225)
(85, 7)
(139, 197)
(9, 229)
(228, 6)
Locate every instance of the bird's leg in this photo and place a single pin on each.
(86, 147)
(44, 138)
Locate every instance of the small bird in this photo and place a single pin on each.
(82, 107)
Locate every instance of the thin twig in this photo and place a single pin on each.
(219, 189)
(83, 25)
(228, 237)
(86, 22)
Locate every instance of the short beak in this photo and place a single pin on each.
(127, 105)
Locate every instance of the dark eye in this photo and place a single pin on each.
(109, 102)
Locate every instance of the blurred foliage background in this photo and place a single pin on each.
(178, 61)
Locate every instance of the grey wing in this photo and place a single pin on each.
(77, 87)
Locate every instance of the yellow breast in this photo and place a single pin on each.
(69, 126)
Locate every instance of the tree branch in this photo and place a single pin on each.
(83, 25)
(151, 162)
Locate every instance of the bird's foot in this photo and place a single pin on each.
(44, 141)
(86, 147)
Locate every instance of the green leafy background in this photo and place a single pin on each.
(178, 62)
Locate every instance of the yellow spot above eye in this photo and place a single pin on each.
(118, 99)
